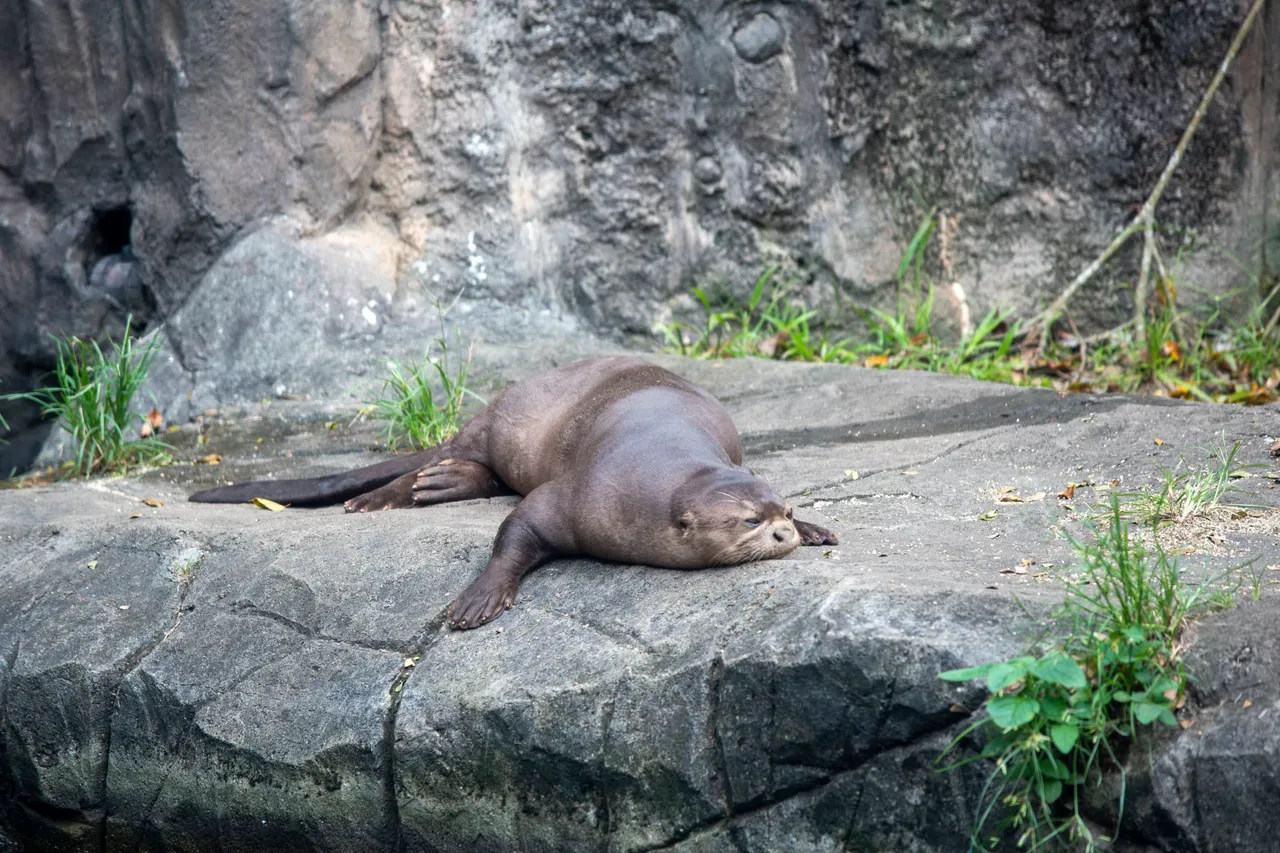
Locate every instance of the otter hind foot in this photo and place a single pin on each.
(455, 480)
(812, 534)
(398, 494)
(482, 602)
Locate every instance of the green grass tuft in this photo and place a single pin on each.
(91, 399)
(422, 403)
(769, 325)
(1188, 490)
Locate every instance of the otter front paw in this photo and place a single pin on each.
(812, 534)
(481, 603)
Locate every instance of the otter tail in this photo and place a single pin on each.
(320, 491)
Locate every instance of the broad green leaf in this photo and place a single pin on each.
(970, 673)
(1162, 685)
(1060, 669)
(1064, 737)
(1051, 791)
(1147, 712)
(1122, 696)
(1053, 708)
(1009, 672)
(1134, 634)
(1051, 768)
(1167, 717)
(1008, 712)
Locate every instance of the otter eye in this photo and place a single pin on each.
(752, 522)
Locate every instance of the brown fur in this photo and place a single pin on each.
(616, 458)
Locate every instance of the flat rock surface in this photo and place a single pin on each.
(184, 677)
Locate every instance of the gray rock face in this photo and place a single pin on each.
(190, 677)
(595, 158)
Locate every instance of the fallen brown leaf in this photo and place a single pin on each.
(1158, 441)
(876, 360)
(266, 503)
(1068, 493)
(211, 459)
(153, 502)
(769, 346)
(1248, 703)
(1186, 724)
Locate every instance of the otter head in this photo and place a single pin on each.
(726, 516)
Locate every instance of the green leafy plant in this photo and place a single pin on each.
(91, 400)
(1058, 721)
(422, 403)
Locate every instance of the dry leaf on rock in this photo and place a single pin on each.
(266, 503)
(151, 423)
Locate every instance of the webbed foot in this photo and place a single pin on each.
(812, 534)
(455, 480)
(398, 494)
(482, 602)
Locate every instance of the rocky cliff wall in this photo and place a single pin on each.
(595, 158)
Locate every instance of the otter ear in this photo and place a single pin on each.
(685, 522)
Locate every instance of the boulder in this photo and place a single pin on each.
(182, 676)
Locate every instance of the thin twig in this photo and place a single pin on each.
(1144, 273)
(1145, 220)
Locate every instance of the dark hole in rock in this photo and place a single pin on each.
(113, 270)
(110, 233)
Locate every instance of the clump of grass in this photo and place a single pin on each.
(1059, 721)
(1205, 354)
(422, 403)
(769, 325)
(91, 400)
(1187, 490)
